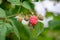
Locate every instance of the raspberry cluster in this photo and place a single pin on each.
(33, 20)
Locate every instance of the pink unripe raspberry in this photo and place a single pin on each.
(33, 20)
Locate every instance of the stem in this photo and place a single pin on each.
(12, 15)
(17, 11)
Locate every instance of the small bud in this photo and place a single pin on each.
(26, 18)
(40, 17)
(19, 18)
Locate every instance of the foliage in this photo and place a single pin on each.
(11, 29)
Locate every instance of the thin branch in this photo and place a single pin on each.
(17, 11)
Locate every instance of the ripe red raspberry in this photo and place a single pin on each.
(33, 20)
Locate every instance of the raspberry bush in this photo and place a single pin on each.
(19, 21)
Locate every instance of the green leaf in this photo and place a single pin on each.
(9, 28)
(26, 30)
(14, 2)
(26, 5)
(0, 1)
(23, 30)
(15, 30)
(57, 17)
(44, 38)
(45, 32)
(2, 13)
(1, 22)
(48, 14)
(54, 25)
(3, 31)
(39, 28)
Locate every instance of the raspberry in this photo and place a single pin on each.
(33, 20)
